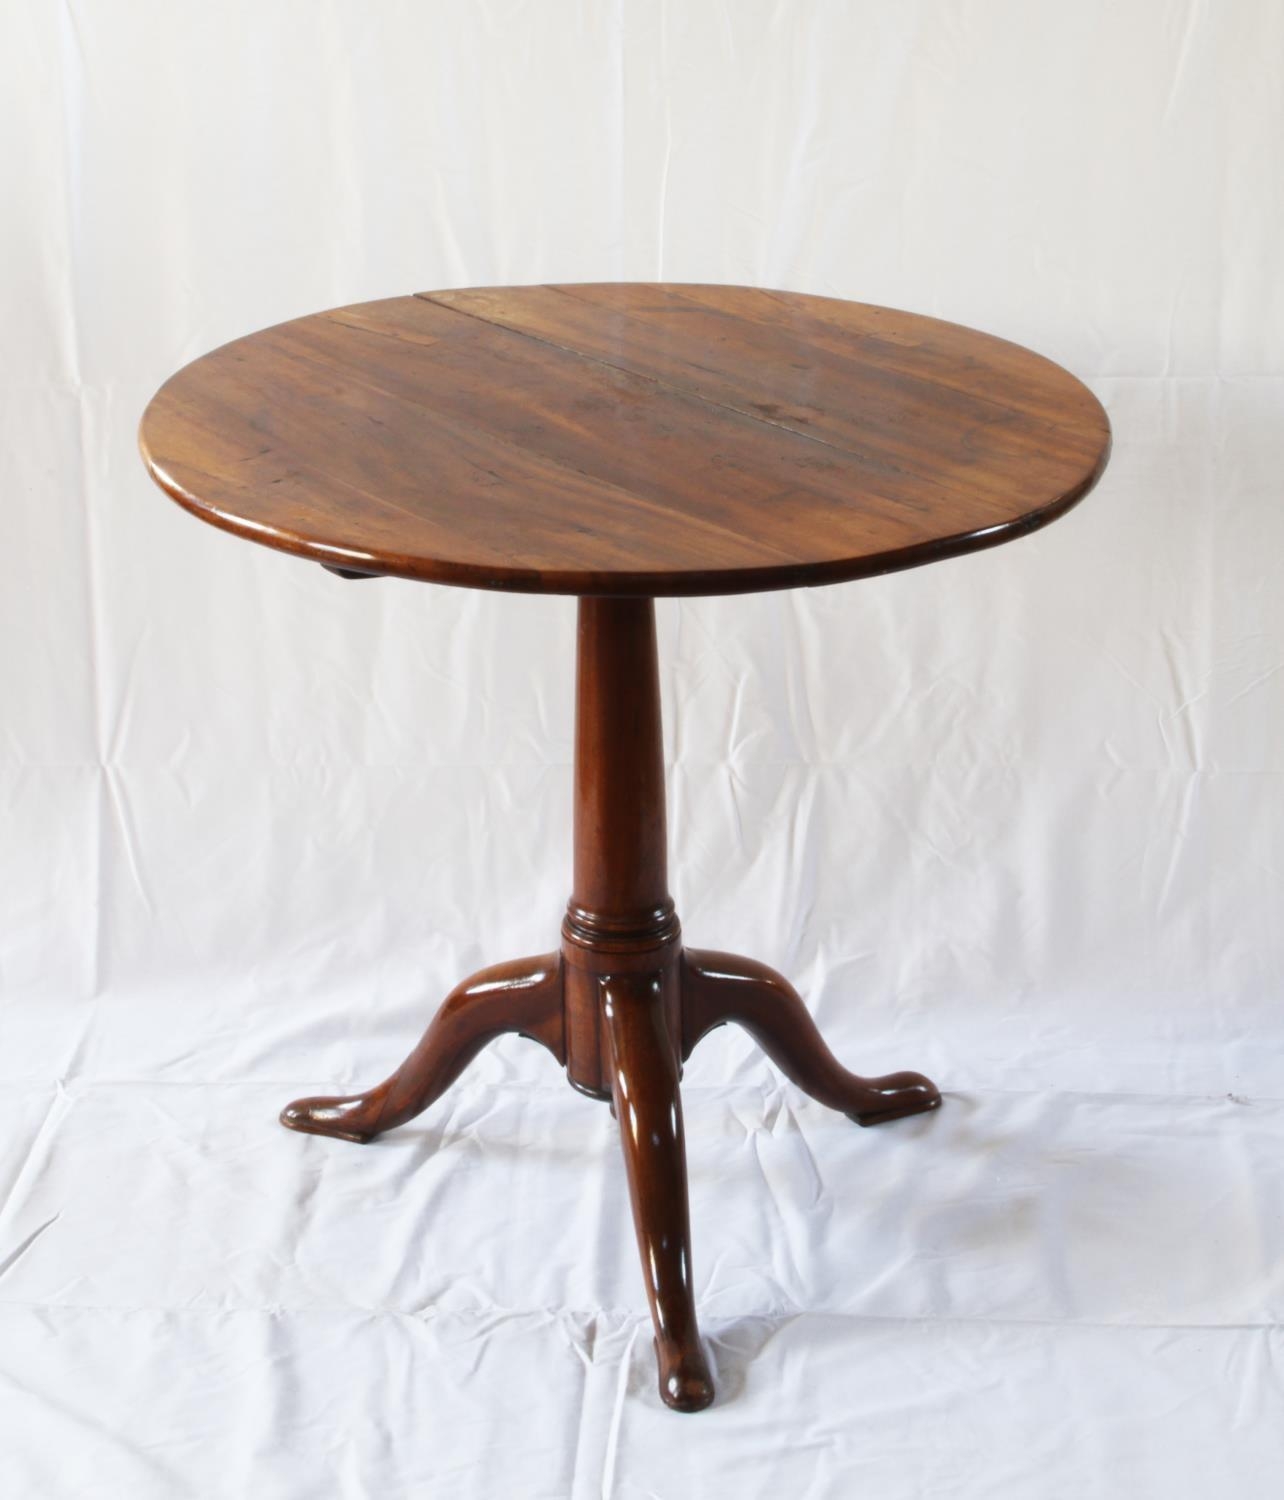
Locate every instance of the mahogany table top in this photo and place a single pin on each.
(642, 438)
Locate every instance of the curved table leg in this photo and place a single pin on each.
(720, 987)
(523, 996)
(644, 1086)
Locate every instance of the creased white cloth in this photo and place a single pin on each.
(1014, 820)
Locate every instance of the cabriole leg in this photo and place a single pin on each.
(522, 996)
(720, 987)
(644, 1084)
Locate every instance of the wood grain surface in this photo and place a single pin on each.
(624, 439)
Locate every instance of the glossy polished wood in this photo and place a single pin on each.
(624, 439)
(620, 918)
(619, 442)
(644, 1081)
(722, 987)
(623, 1005)
(523, 996)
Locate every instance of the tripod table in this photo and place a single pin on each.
(619, 442)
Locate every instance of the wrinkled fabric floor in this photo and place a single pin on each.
(1048, 1291)
(1013, 820)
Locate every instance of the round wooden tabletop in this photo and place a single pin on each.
(624, 439)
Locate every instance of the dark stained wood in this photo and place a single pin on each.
(620, 917)
(622, 1005)
(523, 996)
(620, 442)
(721, 987)
(624, 439)
(648, 1107)
(621, 882)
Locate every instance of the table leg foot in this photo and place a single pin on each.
(644, 1083)
(522, 996)
(721, 987)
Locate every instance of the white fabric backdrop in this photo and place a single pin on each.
(1014, 819)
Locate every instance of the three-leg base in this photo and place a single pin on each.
(523, 996)
(642, 1054)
